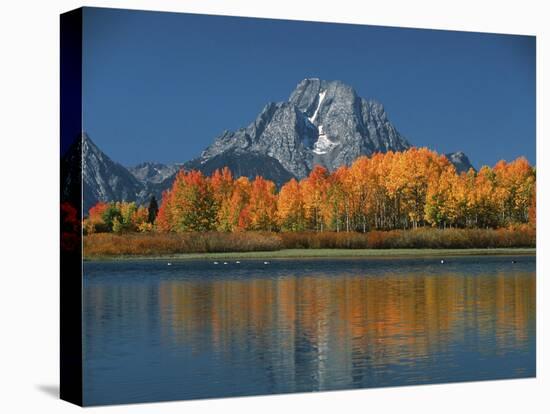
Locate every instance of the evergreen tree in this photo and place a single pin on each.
(153, 210)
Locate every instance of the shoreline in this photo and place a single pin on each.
(323, 254)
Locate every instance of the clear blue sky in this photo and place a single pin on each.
(161, 86)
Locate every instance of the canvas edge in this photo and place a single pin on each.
(71, 344)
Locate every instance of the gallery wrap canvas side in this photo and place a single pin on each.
(258, 206)
(71, 207)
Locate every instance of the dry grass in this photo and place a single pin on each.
(109, 244)
(153, 244)
(423, 238)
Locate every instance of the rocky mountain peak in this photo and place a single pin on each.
(460, 161)
(323, 122)
(153, 172)
(104, 179)
(313, 94)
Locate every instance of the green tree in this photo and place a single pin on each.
(152, 210)
(111, 213)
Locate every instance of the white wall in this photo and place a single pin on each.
(29, 231)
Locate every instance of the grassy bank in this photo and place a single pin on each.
(253, 244)
(328, 253)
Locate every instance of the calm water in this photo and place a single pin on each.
(198, 330)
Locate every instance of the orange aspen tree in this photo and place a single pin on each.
(238, 218)
(290, 207)
(361, 187)
(222, 188)
(337, 208)
(314, 190)
(191, 204)
(262, 205)
(164, 221)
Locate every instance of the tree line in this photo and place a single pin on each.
(387, 191)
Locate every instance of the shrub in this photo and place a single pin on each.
(151, 243)
(109, 244)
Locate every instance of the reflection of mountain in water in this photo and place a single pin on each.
(200, 330)
(395, 320)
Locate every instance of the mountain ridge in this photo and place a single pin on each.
(104, 179)
(322, 123)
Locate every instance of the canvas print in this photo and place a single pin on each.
(255, 206)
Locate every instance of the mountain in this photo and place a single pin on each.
(153, 172)
(105, 179)
(244, 164)
(460, 161)
(323, 122)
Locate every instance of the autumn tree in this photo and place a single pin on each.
(419, 167)
(358, 192)
(337, 210)
(381, 165)
(395, 183)
(165, 220)
(127, 214)
(443, 204)
(95, 223)
(515, 182)
(222, 184)
(193, 203)
(222, 187)
(314, 189)
(290, 207)
(238, 207)
(393, 190)
(140, 219)
(111, 216)
(262, 205)
(484, 199)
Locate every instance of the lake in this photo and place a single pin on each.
(197, 330)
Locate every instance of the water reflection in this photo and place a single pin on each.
(173, 336)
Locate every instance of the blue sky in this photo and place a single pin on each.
(161, 86)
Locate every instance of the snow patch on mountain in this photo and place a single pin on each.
(323, 144)
(320, 98)
(322, 123)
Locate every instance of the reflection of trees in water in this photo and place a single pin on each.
(319, 332)
(315, 325)
(110, 309)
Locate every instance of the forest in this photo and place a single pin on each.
(396, 200)
(417, 188)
